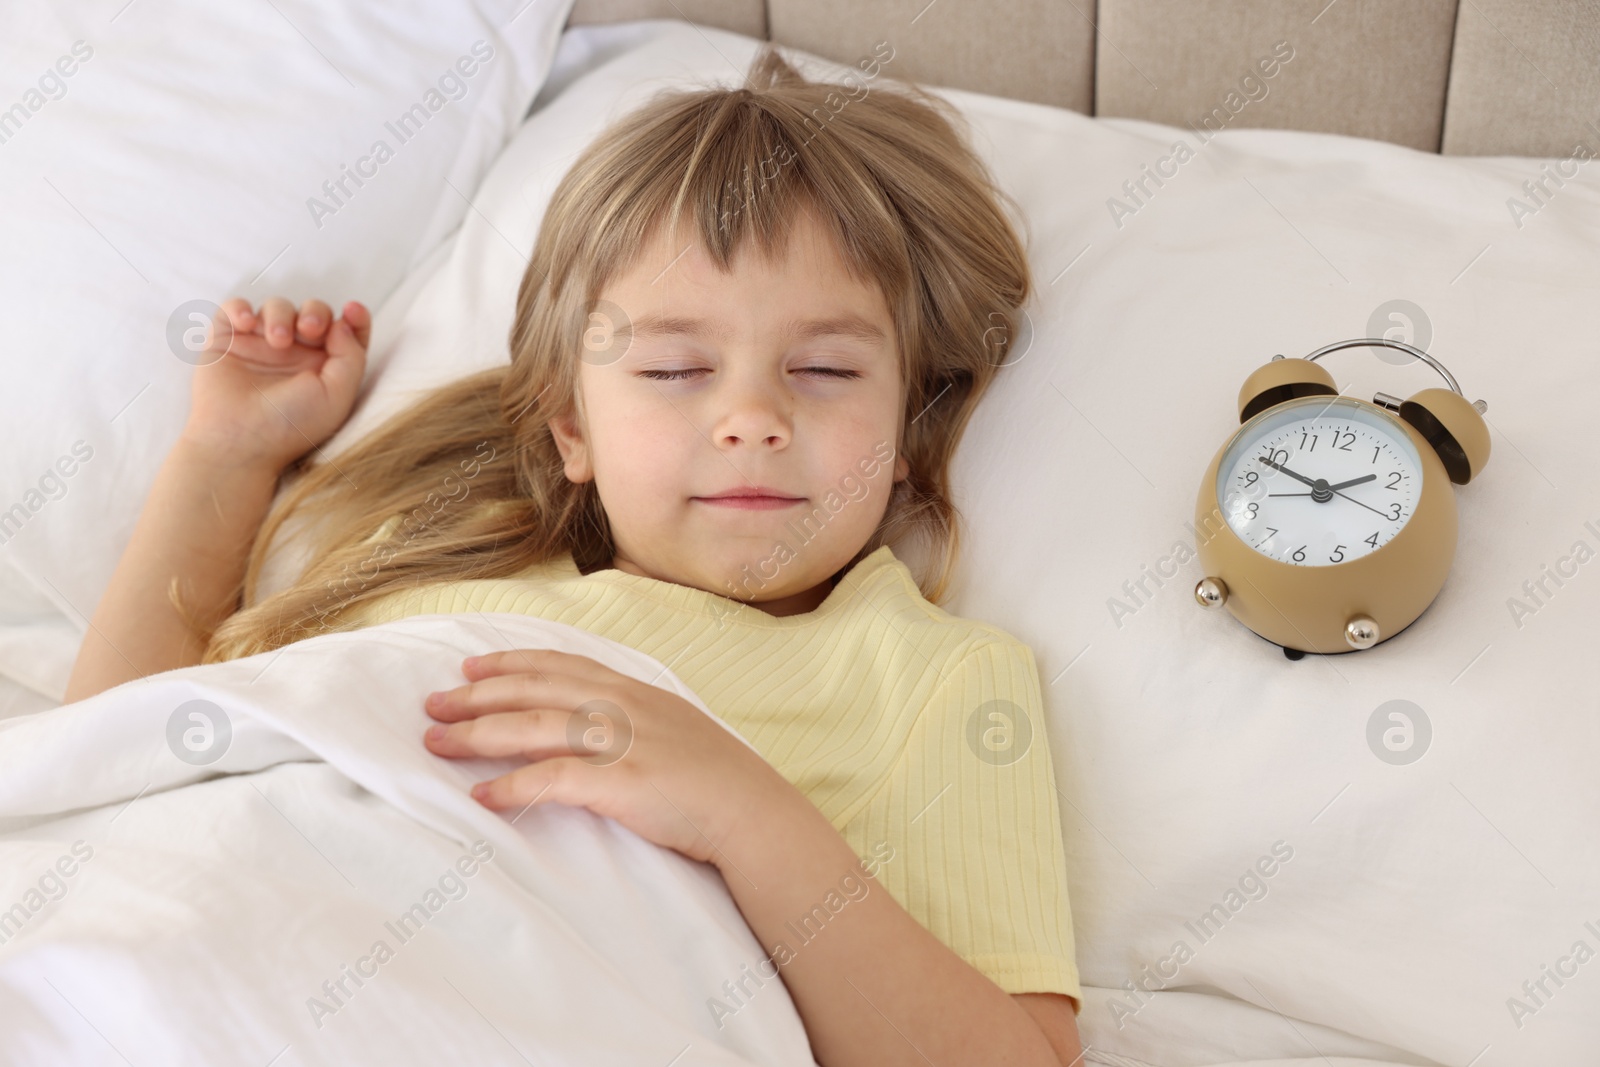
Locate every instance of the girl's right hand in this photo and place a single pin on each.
(283, 385)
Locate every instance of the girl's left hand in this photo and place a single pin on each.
(602, 740)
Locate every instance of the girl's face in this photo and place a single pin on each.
(780, 375)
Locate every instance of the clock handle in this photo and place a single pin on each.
(1384, 342)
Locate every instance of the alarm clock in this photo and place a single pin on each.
(1327, 524)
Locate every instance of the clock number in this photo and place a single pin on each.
(1278, 455)
(1338, 554)
(1396, 476)
(1250, 478)
(1299, 554)
(1303, 447)
(1347, 444)
(1253, 507)
(1373, 540)
(1396, 515)
(1375, 452)
(1273, 534)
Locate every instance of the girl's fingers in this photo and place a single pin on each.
(342, 371)
(531, 734)
(547, 782)
(277, 321)
(312, 325)
(513, 692)
(341, 343)
(239, 314)
(360, 322)
(282, 326)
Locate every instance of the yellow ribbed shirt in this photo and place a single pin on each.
(901, 722)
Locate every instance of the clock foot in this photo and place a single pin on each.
(1293, 653)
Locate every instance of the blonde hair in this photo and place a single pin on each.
(913, 210)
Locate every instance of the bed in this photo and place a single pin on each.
(1422, 173)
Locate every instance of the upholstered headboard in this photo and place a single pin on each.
(1465, 77)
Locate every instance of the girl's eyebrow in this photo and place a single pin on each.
(843, 325)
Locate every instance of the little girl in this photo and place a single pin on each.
(753, 328)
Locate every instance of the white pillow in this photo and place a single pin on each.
(1416, 899)
(157, 154)
(1420, 897)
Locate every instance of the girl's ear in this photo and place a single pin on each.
(902, 467)
(574, 452)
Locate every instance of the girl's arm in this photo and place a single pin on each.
(197, 527)
(267, 388)
(872, 985)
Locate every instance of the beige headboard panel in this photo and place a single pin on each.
(1468, 77)
(1368, 68)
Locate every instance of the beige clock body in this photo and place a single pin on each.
(1308, 608)
(1355, 604)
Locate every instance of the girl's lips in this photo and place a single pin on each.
(749, 503)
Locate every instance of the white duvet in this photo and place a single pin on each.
(326, 891)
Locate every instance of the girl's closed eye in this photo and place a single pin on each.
(841, 373)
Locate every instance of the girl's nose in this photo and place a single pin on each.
(754, 415)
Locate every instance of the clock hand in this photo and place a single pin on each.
(1352, 499)
(1369, 507)
(1329, 488)
(1313, 482)
(1290, 473)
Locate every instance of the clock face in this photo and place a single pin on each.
(1319, 481)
